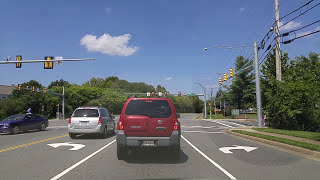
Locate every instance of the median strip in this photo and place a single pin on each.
(305, 145)
(31, 143)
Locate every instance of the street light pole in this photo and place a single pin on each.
(205, 99)
(258, 90)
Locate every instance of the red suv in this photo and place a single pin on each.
(148, 122)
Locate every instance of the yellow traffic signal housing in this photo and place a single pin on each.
(225, 77)
(19, 87)
(220, 80)
(165, 93)
(152, 94)
(44, 90)
(48, 65)
(231, 72)
(32, 88)
(179, 93)
(18, 58)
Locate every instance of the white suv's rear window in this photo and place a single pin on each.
(151, 108)
(86, 113)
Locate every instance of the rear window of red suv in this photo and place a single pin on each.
(151, 108)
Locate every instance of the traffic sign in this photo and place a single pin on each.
(191, 94)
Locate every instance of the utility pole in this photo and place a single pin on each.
(205, 103)
(224, 107)
(258, 90)
(211, 92)
(63, 102)
(278, 61)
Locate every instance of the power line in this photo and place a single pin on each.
(300, 15)
(266, 55)
(295, 10)
(287, 33)
(289, 41)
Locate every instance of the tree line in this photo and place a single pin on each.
(293, 103)
(107, 93)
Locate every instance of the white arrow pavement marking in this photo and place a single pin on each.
(75, 146)
(227, 149)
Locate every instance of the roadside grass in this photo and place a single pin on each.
(247, 116)
(301, 134)
(216, 116)
(305, 145)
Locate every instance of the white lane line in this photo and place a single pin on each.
(57, 127)
(223, 124)
(203, 132)
(204, 127)
(210, 160)
(236, 124)
(80, 162)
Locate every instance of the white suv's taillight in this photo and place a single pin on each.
(120, 123)
(100, 120)
(69, 121)
(175, 124)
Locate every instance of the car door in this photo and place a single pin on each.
(105, 118)
(35, 121)
(27, 123)
(110, 121)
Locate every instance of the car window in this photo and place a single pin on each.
(28, 117)
(34, 116)
(103, 113)
(86, 113)
(14, 117)
(154, 108)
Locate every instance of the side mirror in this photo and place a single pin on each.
(178, 115)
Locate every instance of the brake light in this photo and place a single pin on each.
(100, 120)
(120, 123)
(70, 121)
(175, 124)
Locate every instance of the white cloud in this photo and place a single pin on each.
(242, 9)
(111, 45)
(168, 79)
(291, 25)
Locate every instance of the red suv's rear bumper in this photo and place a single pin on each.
(123, 140)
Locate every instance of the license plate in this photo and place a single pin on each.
(147, 143)
(84, 123)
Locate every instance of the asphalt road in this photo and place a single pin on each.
(28, 156)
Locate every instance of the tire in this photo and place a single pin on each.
(72, 136)
(104, 134)
(42, 127)
(15, 130)
(122, 152)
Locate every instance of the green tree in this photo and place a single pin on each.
(241, 91)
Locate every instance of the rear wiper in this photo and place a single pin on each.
(145, 114)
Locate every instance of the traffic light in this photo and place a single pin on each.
(19, 87)
(209, 104)
(152, 94)
(18, 58)
(225, 77)
(179, 93)
(44, 90)
(165, 94)
(231, 72)
(220, 80)
(48, 65)
(32, 88)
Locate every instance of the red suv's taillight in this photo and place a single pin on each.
(70, 121)
(120, 123)
(100, 120)
(175, 124)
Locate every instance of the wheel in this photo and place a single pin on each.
(122, 152)
(72, 136)
(104, 133)
(15, 130)
(42, 127)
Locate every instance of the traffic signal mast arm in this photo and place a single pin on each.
(53, 60)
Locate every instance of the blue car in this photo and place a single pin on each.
(23, 122)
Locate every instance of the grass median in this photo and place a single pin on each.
(301, 134)
(313, 147)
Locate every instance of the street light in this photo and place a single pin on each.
(257, 73)
(205, 99)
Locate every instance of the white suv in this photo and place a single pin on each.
(91, 120)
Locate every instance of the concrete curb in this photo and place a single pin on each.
(314, 155)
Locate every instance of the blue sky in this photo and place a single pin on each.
(152, 41)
